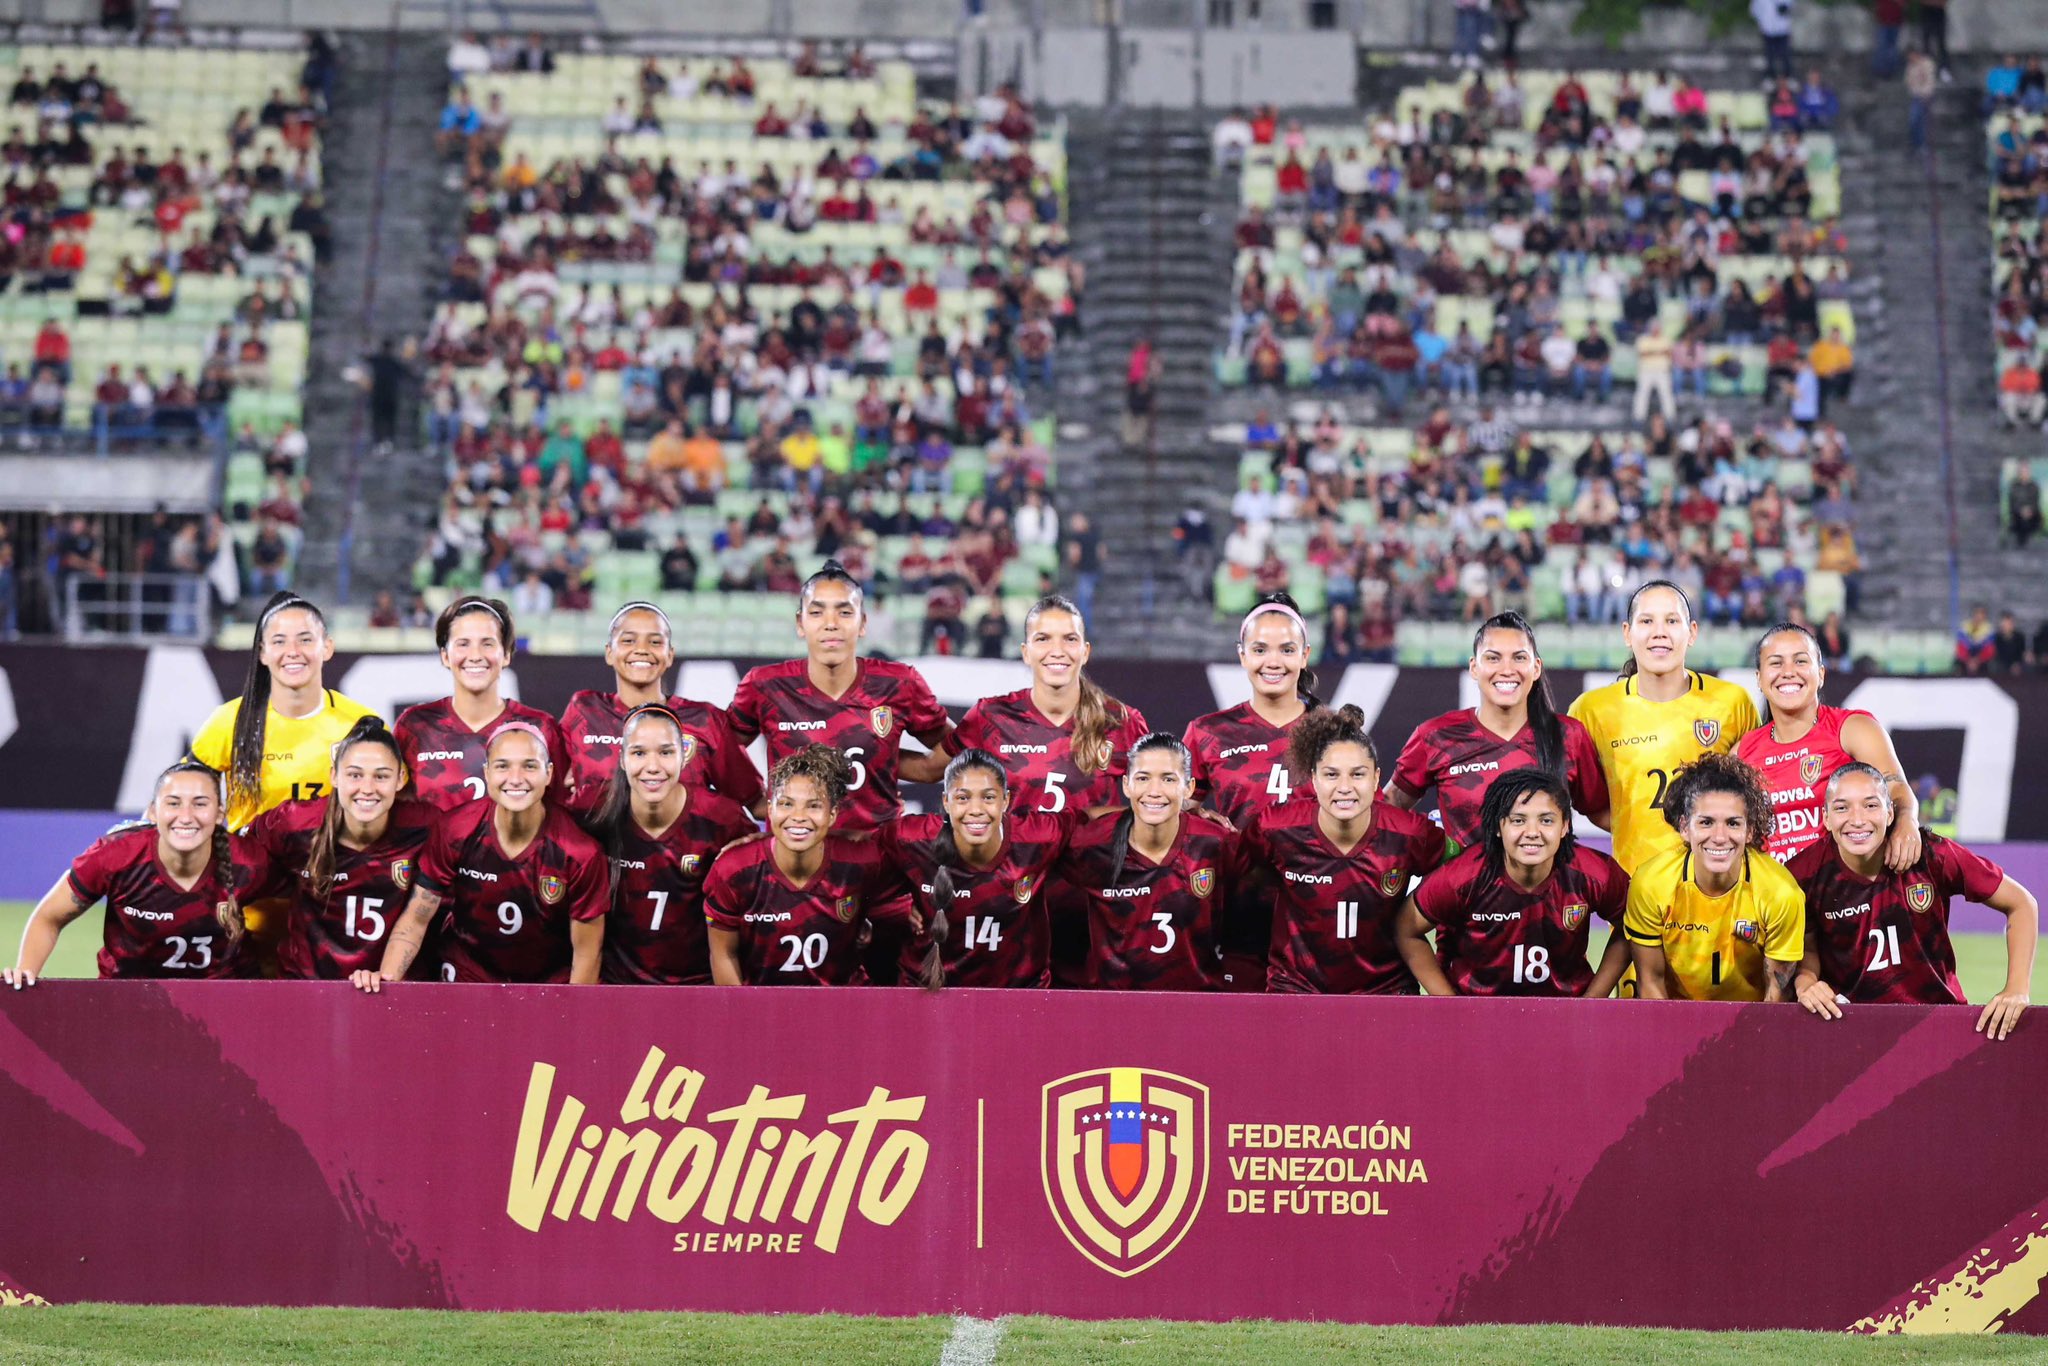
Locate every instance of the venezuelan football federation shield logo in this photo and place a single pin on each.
(1025, 888)
(401, 873)
(1574, 915)
(690, 862)
(1124, 1152)
(689, 749)
(883, 720)
(1919, 896)
(844, 908)
(1706, 732)
(1809, 769)
(1747, 931)
(1202, 881)
(1394, 881)
(550, 888)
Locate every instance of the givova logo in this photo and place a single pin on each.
(1124, 1152)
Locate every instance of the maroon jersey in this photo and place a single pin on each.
(507, 919)
(1797, 776)
(996, 930)
(867, 725)
(1154, 926)
(712, 755)
(655, 933)
(1240, 762)
(153, 927)
(332, 936)
(1886, 938)
(1040, 755)
(801, 936)
(1460, 758)
(1333, 921)
(1494, 939)
(447, 757)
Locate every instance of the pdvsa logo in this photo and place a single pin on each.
(1124, 1152)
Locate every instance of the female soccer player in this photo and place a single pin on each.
(345, 861)
(1802, 742)
(641, 651)
(661, 834)
(1656, 718)
(788, 909)
(444, 742)
(170, 885)
(1513, 914)
(1154, 878)
(978, 872)
(1515, 726)
(1716, 919)
(1881, 934)
(525, 890)
(1240, 753)
(1343, 862)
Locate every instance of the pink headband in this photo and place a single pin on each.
(531, 729)
(1282, 608)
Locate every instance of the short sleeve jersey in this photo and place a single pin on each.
(800, 936)
(1640, 744)
(712, 755)
(867, 725)
(1885, 939)
(996, 929)
(447, 757)
(331, 936)
(1240, 762)
(1715, 947)
(1460, 758)
(298, 752)
(153, 927)
(655, 932)
(1797, 776)
(1334, 912)
(1495, 939)
(1040, 756)
(1154, 926)
(506, 919)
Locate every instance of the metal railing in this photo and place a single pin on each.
(136, 608)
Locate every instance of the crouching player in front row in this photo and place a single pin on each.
(1513, 915)
(1881, 936)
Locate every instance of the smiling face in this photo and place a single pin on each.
(1505, 667)
(1717, 829)
(476, 654)
(1345, 778)
(1274, 654)
(1533, 831)
(295, 646)
(1789, 671)
(975, 804)
(1859, 812)
(1659, 631)
(830, 622)
(652, 758)
(800, 814)
(1055, 648)
(640, 651)
(367, 776)
(1156, 786)
(186, 811)
(516, 772)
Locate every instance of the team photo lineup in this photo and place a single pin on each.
(1757, 856)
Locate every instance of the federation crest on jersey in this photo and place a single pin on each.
(1574, 915)
(1919, 896)
(1025, 888)
(1809, 769)
(1202, 881)
(688, 749)
(690, 862)
(1748, 931)
(551, 888)
(844, 907)
(1394, 881)
(401, 873)
(883, 720)
(1124, 1156)
(1706, 731)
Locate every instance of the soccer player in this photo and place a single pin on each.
(346, 860)
(661, 834)
(169, 882)
(1716, 919)
(1343, 863)
(1875, 933)
(641, 651)
(978, 872)
(1656, 718)
(1801, 742)
(1154, 878)
(789, 909)
(1240, 758)
(1513, 914)
(1515, 726)
(525, 892)
(444, 741)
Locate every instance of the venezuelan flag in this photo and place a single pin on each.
(1126, 1130)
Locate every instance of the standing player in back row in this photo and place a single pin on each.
(1802, 743)
(1515, 726)
(445, 743)
(1656, 718)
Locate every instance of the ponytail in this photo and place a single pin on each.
(1629, 669)
(1285, 605)
(228, 911)
(252, 718)
(615, 811)
(1096, 712)
(320, 852)
(1543, 723)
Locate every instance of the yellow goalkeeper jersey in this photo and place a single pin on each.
(1715, 946)
(298, 752)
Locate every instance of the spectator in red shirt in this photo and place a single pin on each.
(922, 296)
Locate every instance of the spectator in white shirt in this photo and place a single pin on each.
(1253, 504)
(531, 597)
(1232, 137)
(1244, 547)
(467, 57)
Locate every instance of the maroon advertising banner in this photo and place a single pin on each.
(892, 1152)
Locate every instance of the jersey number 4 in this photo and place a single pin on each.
(1279, 784)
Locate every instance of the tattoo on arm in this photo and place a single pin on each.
(1781, 975)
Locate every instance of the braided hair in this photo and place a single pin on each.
(252, 718)
(1507, 792)
(222, 854)
(367, 730)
